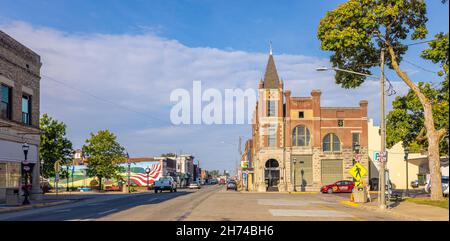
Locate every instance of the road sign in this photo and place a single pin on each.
(358, 171)
(57, 177)
(358, 184)
(378, 156)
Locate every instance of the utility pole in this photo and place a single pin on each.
(382, 182)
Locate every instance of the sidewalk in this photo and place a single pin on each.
(51, 199)
(406, 210)
(34, 204)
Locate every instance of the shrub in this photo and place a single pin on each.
(93, 183)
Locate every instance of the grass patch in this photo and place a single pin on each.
(427, 201)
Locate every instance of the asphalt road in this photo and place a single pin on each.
(209, 203)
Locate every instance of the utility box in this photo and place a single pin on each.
(13, 196)
(360, 195)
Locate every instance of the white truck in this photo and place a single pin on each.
(165, 183)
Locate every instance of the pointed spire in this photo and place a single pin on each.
(271, 79)
(270, 47)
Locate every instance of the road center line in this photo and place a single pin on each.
(112, 210)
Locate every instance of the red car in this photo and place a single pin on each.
(340, 186)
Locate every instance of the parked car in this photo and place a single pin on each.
(445, 180)
(213, 181)
(165, 183)
(113, 188)
(194, 185)
(340, 186)
(231, 185)
(222, 181)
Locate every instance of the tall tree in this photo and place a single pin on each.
(54, 145)
(406, 120)
(104, 156)
(358, 30)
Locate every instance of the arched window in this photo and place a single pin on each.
(331, 143)
(300, 136)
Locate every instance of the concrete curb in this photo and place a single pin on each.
(387, 211)
(32, 206)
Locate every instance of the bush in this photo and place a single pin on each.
(93, 183)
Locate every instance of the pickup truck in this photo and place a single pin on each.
(165, 183)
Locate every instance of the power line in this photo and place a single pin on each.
(105, 100)
(420, 67)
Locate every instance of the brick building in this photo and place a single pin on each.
(298, 145)
(19, 112)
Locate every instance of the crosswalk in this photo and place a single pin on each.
(302, 208)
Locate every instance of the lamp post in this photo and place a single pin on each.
(406, 150)
(129, 173)
(25, 170)
(295, 161)
(147, 170)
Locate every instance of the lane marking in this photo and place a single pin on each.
(112, 210)
(308, 213)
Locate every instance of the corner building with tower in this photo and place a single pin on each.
(299, 145)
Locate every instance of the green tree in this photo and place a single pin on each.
(104, 156)
(54, 145)
(358, 30)
(406, 121)
(168, 154)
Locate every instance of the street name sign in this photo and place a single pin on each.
(358, 171)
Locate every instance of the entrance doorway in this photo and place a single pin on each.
(272, 175)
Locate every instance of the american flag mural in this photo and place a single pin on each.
(140, 179)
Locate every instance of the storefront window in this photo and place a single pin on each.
(9, 174)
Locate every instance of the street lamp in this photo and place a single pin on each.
(25, 169)
(295, 161)
(129, 173)
(406, 150)
(323, 68)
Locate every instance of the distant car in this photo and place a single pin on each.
(222, 181)
(373, 184)
(213, 181)
(194, 185)
(415, 184)
(231, 186)
(444, 180)
(340, 186)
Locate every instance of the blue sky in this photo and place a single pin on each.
(100, 46)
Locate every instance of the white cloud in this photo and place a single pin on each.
(139, 72)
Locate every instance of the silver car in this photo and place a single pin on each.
(444, 180)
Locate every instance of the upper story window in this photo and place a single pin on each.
(271, 108)
(26, 109)
(300, 136)
(355, 140)
(301, 114)
(331, 143)
(272, 135)
(6, 102)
